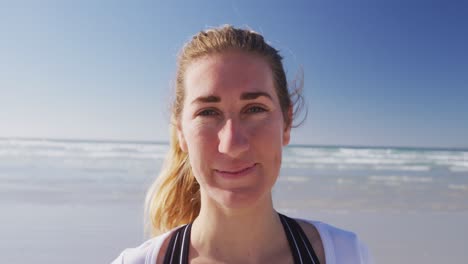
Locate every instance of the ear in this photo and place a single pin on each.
(287, 128)
(181, 138)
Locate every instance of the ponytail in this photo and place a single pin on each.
(174, 198)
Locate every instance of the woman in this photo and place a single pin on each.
(212, 202)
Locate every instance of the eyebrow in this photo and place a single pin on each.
(244, 96)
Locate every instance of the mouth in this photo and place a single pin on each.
(235, 173)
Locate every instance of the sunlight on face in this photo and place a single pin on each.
(232, 127)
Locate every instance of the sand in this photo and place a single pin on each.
(97, 232)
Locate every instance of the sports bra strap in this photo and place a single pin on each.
(299, 244)
(178, 247)
(301, 249)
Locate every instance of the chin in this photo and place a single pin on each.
(242, 198)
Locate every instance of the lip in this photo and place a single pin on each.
(236, 173)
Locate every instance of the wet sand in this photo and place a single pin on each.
(97, 233)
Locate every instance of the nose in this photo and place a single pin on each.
(232, 139)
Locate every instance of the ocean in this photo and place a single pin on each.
(64, 198)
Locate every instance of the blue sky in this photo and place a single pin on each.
(377, 73)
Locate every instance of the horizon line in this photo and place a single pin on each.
(128, 141)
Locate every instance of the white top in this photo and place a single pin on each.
(340, 246)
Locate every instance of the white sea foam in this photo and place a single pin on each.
(375, 159)
(461, 187)
(399, 178)
(295, 179)
(78, 149)
(344, 181)
(458, 169)
(403, 168)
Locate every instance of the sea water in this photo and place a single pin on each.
(328, 178)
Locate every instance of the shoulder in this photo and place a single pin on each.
(143, 254)
(339, 245)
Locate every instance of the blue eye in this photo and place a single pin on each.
(256, 109)
(207, 112)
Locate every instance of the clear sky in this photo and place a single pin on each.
(377, 73)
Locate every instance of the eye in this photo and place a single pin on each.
(207, 112)
(255, 109)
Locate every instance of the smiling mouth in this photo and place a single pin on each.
(235, 173)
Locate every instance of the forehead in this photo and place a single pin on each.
(228, 74)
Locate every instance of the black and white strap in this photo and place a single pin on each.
(301, 249)
(178, 247)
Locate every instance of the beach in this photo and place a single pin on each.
(97, 234)
(82, 202)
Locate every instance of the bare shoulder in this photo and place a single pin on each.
(314, 238)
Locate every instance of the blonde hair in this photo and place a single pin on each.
(174, 198)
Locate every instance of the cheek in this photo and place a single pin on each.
(201, 146)
(267, 139)
(199, 136)
(269, 132)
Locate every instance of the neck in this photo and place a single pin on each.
(230, 234)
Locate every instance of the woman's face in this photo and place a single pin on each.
(232, 127)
